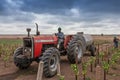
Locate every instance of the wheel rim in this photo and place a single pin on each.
(78, 50)
(53, 63)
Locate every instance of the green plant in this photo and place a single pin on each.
(91, 61)
(6, 57)
(0, 50)
(76, 70)
(106, 67)
(101, 55)
(114, 58)
(84, 69)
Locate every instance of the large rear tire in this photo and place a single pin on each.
(92, 50)
(21, 63)
(51, 58)
(75, 47)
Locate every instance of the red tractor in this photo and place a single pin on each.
(44, 47)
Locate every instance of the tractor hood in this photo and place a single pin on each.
(39, 41)
(45, 38)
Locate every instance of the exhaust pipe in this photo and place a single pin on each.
(37, 32)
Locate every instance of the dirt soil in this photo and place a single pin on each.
(11, 72)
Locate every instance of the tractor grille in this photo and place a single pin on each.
(27, 48)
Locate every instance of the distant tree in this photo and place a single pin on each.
(102, 34)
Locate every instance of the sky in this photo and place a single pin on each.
(88, 16)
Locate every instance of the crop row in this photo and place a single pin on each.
(7, 48)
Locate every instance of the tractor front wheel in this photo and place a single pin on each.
(51, 58)
(19, 60)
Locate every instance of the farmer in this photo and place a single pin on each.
(60, 36)
(115, 40)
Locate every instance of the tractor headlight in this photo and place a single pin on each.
(27, 50)
(30, 50)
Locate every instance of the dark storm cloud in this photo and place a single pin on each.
(47, 6)
(2, 7)
(62, 7)
(59, 6)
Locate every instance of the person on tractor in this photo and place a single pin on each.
(60, 36)
(116, 41)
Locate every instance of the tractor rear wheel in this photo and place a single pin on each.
(19, 60)
(92, 50)
(51, 58)
(75, 49)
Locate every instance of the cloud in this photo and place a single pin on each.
(12, 15)
(89, 16)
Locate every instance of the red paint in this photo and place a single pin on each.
(37, 48)
(67, 39)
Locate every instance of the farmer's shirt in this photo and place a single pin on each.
(60, 35)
